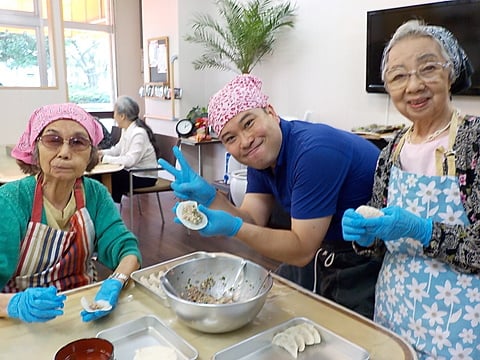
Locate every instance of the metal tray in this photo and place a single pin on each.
(259, 347)
(154, 270)
(143, 332)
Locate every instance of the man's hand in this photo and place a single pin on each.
(188, 185)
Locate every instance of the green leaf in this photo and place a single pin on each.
(245, 33)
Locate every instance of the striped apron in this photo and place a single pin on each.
(51, 256)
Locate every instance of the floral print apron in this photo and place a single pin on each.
(53, 256)
(433, 307)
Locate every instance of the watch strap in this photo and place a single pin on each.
(120, 276)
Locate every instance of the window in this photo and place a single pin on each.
(88, 33)
(26, 58)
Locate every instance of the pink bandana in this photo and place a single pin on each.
(241, 94)
(48, 114)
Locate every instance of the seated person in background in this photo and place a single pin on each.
(134, 150)
(314, 171)
(427, 184)
(54, 221)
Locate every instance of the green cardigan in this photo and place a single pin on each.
(113, 240)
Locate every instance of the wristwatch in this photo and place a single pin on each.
(119, 276)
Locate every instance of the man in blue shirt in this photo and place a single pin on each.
(315, 172)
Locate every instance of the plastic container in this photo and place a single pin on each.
(238, 186)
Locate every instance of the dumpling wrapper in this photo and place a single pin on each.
(287, 342)
(369, 211)
(100, 305)
(155, 352)
(185, 222)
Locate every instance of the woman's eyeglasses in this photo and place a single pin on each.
(397, 78)
(76, 143)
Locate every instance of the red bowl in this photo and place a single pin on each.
(86, 349)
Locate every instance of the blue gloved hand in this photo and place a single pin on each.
(219, 222)
(353, 228)
(398, 223)
(36, 304)
(109, 291)
(188, 185)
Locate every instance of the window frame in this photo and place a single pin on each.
(34, 21)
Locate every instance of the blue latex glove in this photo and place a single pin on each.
(109, 291)
(353, 228)
(398, 223)
(188, 185)
(219, 222)
(36, 304)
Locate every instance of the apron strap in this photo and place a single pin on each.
(38, 198)
(441, 154)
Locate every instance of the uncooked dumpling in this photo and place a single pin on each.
(314, 331)
(369, 211)
(294, 338)
(287, 342)
(299, 340)
(305, 333)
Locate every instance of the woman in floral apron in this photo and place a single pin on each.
(53, 222)
(427, 184)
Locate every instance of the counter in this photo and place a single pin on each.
(285, 301)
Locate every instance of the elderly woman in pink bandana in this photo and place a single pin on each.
(315, 172)
(54, 221)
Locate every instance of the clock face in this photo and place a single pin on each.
(184, 127)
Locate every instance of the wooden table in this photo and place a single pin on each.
(105, 171)
(10, 171)
(285, 301)
(199, 145)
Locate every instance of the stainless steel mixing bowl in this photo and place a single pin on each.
(217, 318)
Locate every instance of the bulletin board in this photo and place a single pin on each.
(158, 60)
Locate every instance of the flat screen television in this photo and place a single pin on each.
(462, 18)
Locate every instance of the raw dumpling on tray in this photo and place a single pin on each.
(295, 338)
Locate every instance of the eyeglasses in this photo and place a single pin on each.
(398, 78)
(76, 143)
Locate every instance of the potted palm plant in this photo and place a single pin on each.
(243, 35)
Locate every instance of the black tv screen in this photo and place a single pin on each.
(462, 18)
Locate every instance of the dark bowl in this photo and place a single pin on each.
(86, 349)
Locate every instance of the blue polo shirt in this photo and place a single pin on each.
(320, 171)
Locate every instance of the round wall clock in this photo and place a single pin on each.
(184, 128)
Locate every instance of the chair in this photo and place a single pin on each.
(165, 144)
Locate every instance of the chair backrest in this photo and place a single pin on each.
(115, 134)
(165, 143)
